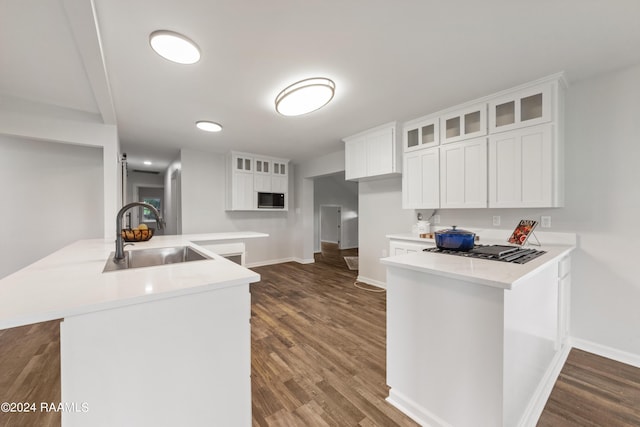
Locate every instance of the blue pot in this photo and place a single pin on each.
(454, 239)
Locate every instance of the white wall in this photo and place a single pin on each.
(602, 206)
(334, 190)
(381, 213)
(203, 190)
(52, 195)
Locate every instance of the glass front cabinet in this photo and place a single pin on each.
(469, 122)
(528, 107)
(421, 133)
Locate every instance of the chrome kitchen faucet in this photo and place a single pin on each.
(119, 254)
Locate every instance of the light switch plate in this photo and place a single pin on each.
(496, 220)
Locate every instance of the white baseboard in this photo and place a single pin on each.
(348, 247)
(608, 352)
(373, 282)
(304, 260)
(541, 395)
(414, 411)
(269, 262)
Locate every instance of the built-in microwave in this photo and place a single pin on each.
(270, 200)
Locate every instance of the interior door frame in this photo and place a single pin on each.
(340, 223)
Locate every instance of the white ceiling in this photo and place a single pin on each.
(390, 60)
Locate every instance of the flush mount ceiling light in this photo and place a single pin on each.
(208, 126)
(147, 162)
(305, 96)
(174, 47)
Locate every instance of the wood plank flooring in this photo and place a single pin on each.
(318, 359)
(318, 348)
(30, 372)
(593, 391)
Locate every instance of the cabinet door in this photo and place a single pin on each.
(421, 179)
(470, 122)
(355, 158)
(243, 192)
(262, 182)
(262, 166)
(279, 184)
(380, 157)
(463, 174)
(423, 134)
(521, 168)
(527, 107)
(242, 163)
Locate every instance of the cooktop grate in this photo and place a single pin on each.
(502, 253)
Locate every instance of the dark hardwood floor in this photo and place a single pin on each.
(318, 359)
(593, 391)
(30, 372)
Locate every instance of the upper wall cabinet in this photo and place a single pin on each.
(372, 153)
(521, 166)
(421, 133)
(250, 174)
(421, 179)
(527, 107)
(468, 122)
(463, 174)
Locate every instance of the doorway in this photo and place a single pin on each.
(155, 197)
(331, 224)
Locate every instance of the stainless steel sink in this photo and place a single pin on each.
(154, 257)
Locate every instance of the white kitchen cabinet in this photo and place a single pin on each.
(421, 133)
(262, 175)
(465, 123)
(463, 174)
(248, 174)
(402, 247)
(524, 168)
(241, 178)
(525, 107)
(421, 179)
(372, 153)
(280, 177)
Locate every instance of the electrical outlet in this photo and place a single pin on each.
(545, 221)
(436, 219)
(496, 220)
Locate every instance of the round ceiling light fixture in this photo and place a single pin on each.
(305, 96)
(174, 47)
(208, 126)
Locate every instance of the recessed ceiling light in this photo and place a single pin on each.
(174, 47)
(208, 126)
(147, 162)
(305, 96)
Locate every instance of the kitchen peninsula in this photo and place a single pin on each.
(473, 341)
(163, 345)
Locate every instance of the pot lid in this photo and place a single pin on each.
(454, 230)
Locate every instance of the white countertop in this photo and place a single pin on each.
(498, 274)
(71, 282)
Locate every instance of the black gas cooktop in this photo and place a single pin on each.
(503, 253)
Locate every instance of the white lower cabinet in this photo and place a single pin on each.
(421, 179)
(463, 174)
(403, 247)
(522, 168)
